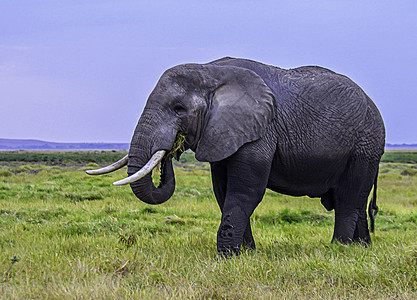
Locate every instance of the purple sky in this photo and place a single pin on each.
(81, 71)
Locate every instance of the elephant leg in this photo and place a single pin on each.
(352, 227)
(351, 223)
(219, 180)
(345, 225)
(248, 240)
(247, 177)
(361, 234)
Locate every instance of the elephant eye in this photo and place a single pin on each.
(179, 109)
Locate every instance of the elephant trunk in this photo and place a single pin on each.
(145, 189)
(149, 138)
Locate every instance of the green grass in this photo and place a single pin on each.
(61, 157)
(68, 235)
(404, 156)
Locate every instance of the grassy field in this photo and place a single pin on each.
(67, 235)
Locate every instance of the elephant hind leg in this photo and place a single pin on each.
(344, 227)
(361, 234)
(351, 198)
(352, 227)
(328, 199)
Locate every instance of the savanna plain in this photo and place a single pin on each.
(67, 235)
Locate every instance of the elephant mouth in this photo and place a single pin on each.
(178, 147)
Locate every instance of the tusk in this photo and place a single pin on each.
(113, 167)
(150, 165)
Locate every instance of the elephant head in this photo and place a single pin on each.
(216, 108)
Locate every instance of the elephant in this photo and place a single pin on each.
(302, 131)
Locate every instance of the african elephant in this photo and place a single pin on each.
(303, 131)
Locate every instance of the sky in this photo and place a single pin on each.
(81, 71)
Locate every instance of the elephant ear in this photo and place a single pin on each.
(241, 108)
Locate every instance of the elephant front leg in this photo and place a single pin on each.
(219, 178)
(244, 176)
(243, 195)
(248, 240)
(235, 229)
(227, 237)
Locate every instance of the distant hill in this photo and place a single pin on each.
(401, 146)
(13, 144)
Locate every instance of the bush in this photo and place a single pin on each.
(5, 173)
(409, 157)
(409, 172)
(91, 166)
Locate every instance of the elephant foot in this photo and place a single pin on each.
(361, 234)
(226, 252)
(248, 243)
(229, 251)
(352, 228)
(231, 233)
(226, 244)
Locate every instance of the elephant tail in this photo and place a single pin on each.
(373, 208)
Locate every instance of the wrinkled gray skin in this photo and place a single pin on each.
(304, 131)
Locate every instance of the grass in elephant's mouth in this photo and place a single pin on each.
(176, 151)
(178, 147)
(66, 235)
